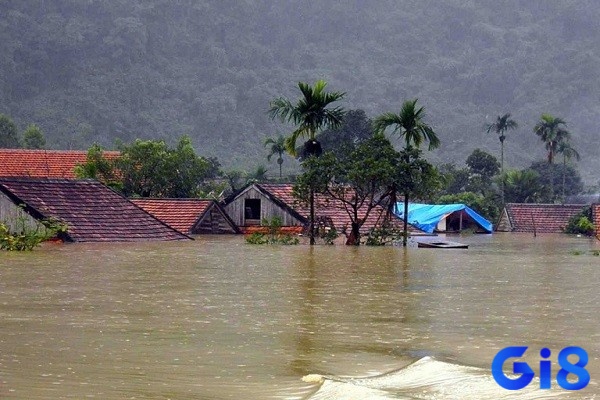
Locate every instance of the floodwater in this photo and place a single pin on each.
(219, 319)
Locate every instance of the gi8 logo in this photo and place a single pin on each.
(527, 374)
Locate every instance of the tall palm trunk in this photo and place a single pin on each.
(405, 222)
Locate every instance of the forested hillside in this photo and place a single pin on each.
(98, 70)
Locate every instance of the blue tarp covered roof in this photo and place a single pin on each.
(427, 216)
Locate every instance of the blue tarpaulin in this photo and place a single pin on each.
(427, 216)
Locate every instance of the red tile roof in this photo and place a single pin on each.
(184, 214)
(92, 211)
(43, 163)
(541, 218)
(327, 207)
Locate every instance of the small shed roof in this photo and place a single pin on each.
(181, 214)
(542, 218)
(92, 211)
(44, 163)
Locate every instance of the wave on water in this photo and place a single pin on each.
(425, 379)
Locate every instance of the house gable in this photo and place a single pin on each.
(191, 216)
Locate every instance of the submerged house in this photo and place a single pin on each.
(44, 163)
(91, 211)
(537, 218)
(190, 216)
(249, 207)
(444, 217)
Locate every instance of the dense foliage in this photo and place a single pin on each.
(95, 71)
(150, 168)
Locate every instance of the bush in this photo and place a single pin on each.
(27, 238)
(581, 223)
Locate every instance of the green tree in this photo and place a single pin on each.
(502, 124)
(9, 137)
(550, 175)
(258, 175)
(415, 178)
(359, 180)
(568, 152)
(311, 113)
(551, 131)
(33, 138)
(482, 167)
(277, 147)
(410, 125)
(356, 127)
(149, 168)
(523, 186)
(99, 168)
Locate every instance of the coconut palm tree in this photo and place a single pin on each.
(568, 152)
(277, 147)
(410, 125)
(551, 131)
(502, 124)
(310, 114)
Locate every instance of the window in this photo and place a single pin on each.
(252, 211)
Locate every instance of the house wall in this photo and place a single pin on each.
(268, 209)
(14, 217)
(213, 222)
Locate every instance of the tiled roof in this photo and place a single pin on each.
(92, 211)
(327, 207)
(596, 218)
(43, 163)
(542, 218)
(184, 214)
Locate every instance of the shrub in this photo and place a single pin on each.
(27, 238)
(581, 223)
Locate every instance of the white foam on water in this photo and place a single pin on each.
(427, 379)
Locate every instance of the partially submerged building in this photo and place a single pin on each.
(190, 216)
(537, 218)
(91, 211)
(257, 202)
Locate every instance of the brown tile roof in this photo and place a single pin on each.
(43, 163)
(541, 218)
(328, 207)
(92, 211)
(183, 214)
(596, 218)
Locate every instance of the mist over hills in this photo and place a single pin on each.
(98, 70)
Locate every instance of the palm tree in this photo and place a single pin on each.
(503, 123)
(567, 152)
(410, 124)
(277, 147)
(551, 131)
(310, 114)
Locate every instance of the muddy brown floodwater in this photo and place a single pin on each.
(219, 319)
